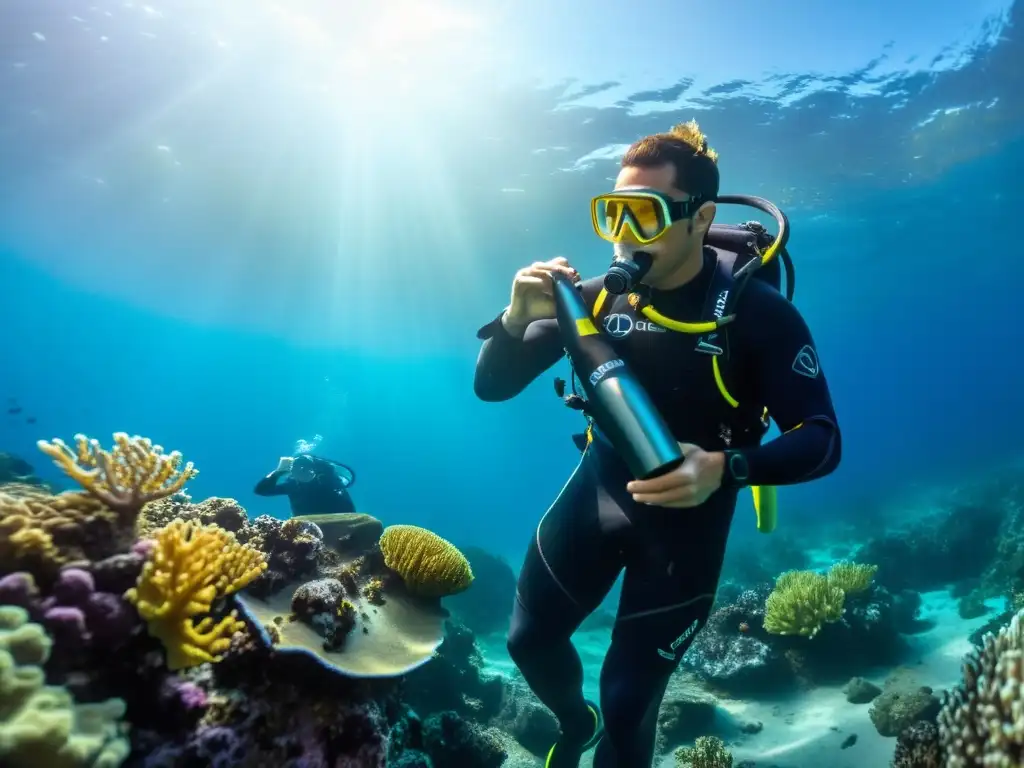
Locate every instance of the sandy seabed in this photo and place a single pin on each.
(806, 730)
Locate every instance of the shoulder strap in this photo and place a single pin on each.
(719, 299)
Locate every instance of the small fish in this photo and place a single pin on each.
(30, 420)
(744, 627)
(14, 409)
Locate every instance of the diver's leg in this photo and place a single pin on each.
(666, 599)
(569, 569)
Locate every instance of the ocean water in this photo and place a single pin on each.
(234, 226)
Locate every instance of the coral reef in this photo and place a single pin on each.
(40, 532)
(41, 725)
(918, 747)
(134, 595)
(134, 472)
(188, 569)
(429, 565)
(707, 752)
(803, 601)
(735, 654)
(358, 617)
(452, 681)
(81, 618)
(981, 720)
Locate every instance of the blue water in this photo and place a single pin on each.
(214, 234)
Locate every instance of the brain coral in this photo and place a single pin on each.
(429, 565)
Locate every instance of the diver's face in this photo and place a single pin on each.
(302, 471)
(679, 244)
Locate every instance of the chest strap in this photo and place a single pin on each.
(712, 339)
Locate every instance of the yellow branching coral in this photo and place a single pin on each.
(692, 134)
(189, 568)
(801, 603)
(429, 565)
(134, 472)
(851, 577)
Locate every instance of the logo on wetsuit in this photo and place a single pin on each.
(704, 342)
(620, 325)
(806, 362)
(690, 631)
(604, 368)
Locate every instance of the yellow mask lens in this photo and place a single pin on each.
(618, 216)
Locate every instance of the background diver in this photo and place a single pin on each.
(314, 486)
(669, 533)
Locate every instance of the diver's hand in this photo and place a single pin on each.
(532, 294)
(285, 464)
(688, 485)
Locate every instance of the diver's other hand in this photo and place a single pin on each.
(688, 485)
(532, 297)
(285, 464)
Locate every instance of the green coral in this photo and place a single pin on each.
(801, 603)
(40, 725)
(706, 752)
(851, 577)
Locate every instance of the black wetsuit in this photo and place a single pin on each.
(672, 557)
(317, 497)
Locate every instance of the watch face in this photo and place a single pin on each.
(738, 466)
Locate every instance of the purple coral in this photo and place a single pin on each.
(20, 589)
(73, 587)
(79, 616)
(182, 702)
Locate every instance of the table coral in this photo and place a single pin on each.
(429, 565)
(190, 567)
(124, 478)
(41, 725)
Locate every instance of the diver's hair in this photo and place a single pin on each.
(686, 148)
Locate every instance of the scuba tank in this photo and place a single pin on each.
(615, 400)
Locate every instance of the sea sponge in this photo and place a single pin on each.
(851, 577)
(706, 752)
(429, 565)
(40, 725)
(134, 472)
(801, 603)
(40, 531)
(982, 719)
(190, 567)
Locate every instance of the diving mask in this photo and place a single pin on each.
(638, 214)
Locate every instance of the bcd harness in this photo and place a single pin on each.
(737, 248)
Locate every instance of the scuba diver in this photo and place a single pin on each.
(314, 486)
(718, 354)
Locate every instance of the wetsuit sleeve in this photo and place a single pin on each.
(506, 365)
(269, 485)
(789, 382)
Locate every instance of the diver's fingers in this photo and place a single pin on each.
(676, 497)
(534, 281)
(673, 479)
